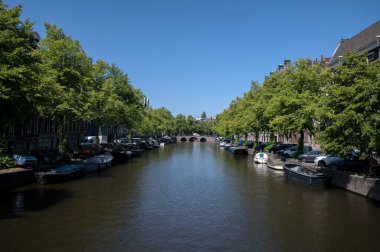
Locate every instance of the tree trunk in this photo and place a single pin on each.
(301, 142)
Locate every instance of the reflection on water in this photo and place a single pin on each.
(17, 203)
(187, 197)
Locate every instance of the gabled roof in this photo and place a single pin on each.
(359, 42)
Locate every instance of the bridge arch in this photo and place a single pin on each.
(201, 138)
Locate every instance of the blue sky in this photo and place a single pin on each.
(192, 56)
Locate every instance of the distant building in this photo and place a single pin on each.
(207, 119)
(367, 40)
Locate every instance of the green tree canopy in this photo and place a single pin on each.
(65, 79)
(18, 68)
(349, 114)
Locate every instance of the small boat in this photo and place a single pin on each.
(261, 158)
(227, 145)
(154, 143)
(242, 150)
(275, 167)
(97, 163)
(60, 174)
(120, 156)
(302, 174)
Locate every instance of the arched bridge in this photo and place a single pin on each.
(208, 139)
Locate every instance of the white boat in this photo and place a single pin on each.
(261, 158)
(97, 163)
(275, 167)
(227, 145)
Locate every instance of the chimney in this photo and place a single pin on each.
(287, 63)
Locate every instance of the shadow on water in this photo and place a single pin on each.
(17, 203)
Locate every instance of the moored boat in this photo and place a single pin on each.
(60, 174)
(241, 150)
(120, 154)
(275, 167)
(97, 163)
(261, 158)
(227, 145)
(304, 175)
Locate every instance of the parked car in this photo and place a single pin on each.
(25, 160)
(327, 160)
(292, 151)
(260, 146)
(48, 156)
(351, 162)
(249, 144)
(310, 156)
(280, 146)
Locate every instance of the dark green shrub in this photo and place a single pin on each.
(7, 162)
(269, 146)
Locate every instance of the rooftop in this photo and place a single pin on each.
(357, 43)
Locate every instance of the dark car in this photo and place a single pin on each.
(48, 156)
(310, 156)
(352, 164)
(249, 144)
(281, 146)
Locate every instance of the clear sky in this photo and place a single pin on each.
(194, 56)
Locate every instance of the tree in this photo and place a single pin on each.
(65, 80)
(113, 100)
(297, 90)
(349, 114)
(256, 99)
(203, 116)
(180, 124)
(147, 125)
(244, 115)
(191, 124)
(18, 68)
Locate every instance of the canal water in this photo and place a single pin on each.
(187, 197)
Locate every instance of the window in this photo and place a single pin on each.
(371, 56)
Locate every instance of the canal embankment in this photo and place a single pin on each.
(15, 177)
(368, 187)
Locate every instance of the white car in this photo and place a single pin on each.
(25, 160)
(290, 152)
(328, 160)
(333, 160)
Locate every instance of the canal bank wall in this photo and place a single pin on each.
(365, 186)
(358, 184)
(15, 177)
